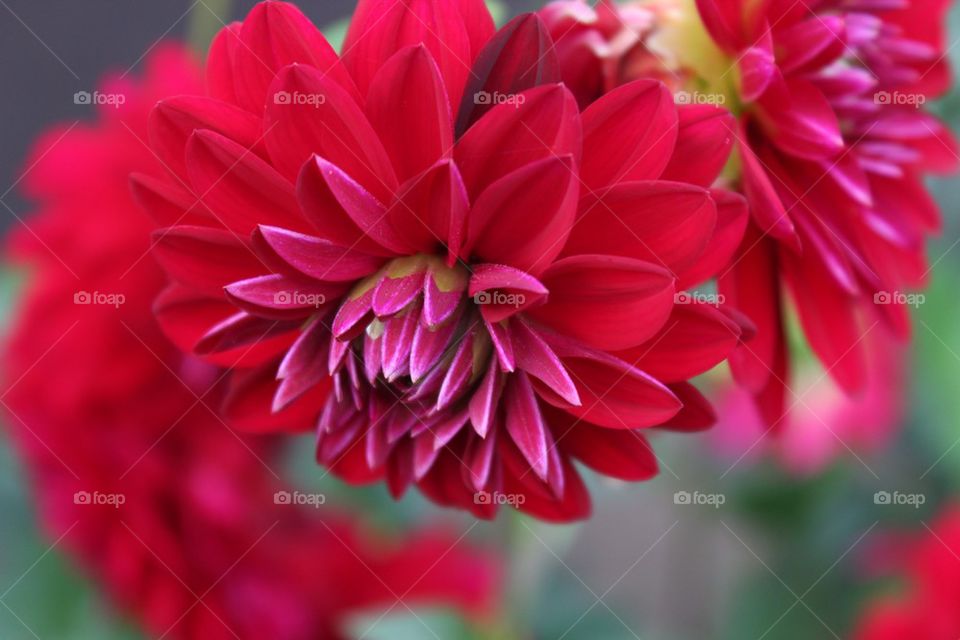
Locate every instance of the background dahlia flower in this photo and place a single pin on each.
(486, 277)
(603, 46)
(924, 606)
(172, 512)
(828, 425)
(833, 143)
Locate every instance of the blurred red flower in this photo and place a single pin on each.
(485, 275)
(925, 606)
(822, 424)
(833, 145)
(173, 512)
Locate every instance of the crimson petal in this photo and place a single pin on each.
(520, 56)
(607, 302)
(415, 125)
(274, 35)
(628, 134)
(666, 223)
(313, 115)
(523, 219)
(240, 188)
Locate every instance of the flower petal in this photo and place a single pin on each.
(248, 405)
(628, 134)
(281, 297)
(626, 455)
(613, 394)
(696, 415)
(518, 57)
(666, 223)
(607, 302)
(408, 107)
(799, 120)
(545, 124)
(503, 291)
(205, 258)
(525, 424)
(766, 208)
(274, 35)
(732, 219)
(752, 286)
(523, 219)
(830, 322)
(221, 81)
(703, 145)
(432, 211)
(315, 257)
(451, 30)
(240, 188)
(694, 339)
(536, 357)
(343, 211)
(310, 114)
(168, 203)
(174, 120)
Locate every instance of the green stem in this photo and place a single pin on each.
(206, 19)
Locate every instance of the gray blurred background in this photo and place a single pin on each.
(52, 48)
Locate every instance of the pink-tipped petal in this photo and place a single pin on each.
(525, 424)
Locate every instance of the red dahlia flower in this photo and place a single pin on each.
(485, 275)
(171, 511)
(925, 608)
(834, 146)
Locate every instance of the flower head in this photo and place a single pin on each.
(174, 513)
(834, 144)
(486, 276)
(832, 147)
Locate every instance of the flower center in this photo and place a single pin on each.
(409, 337)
